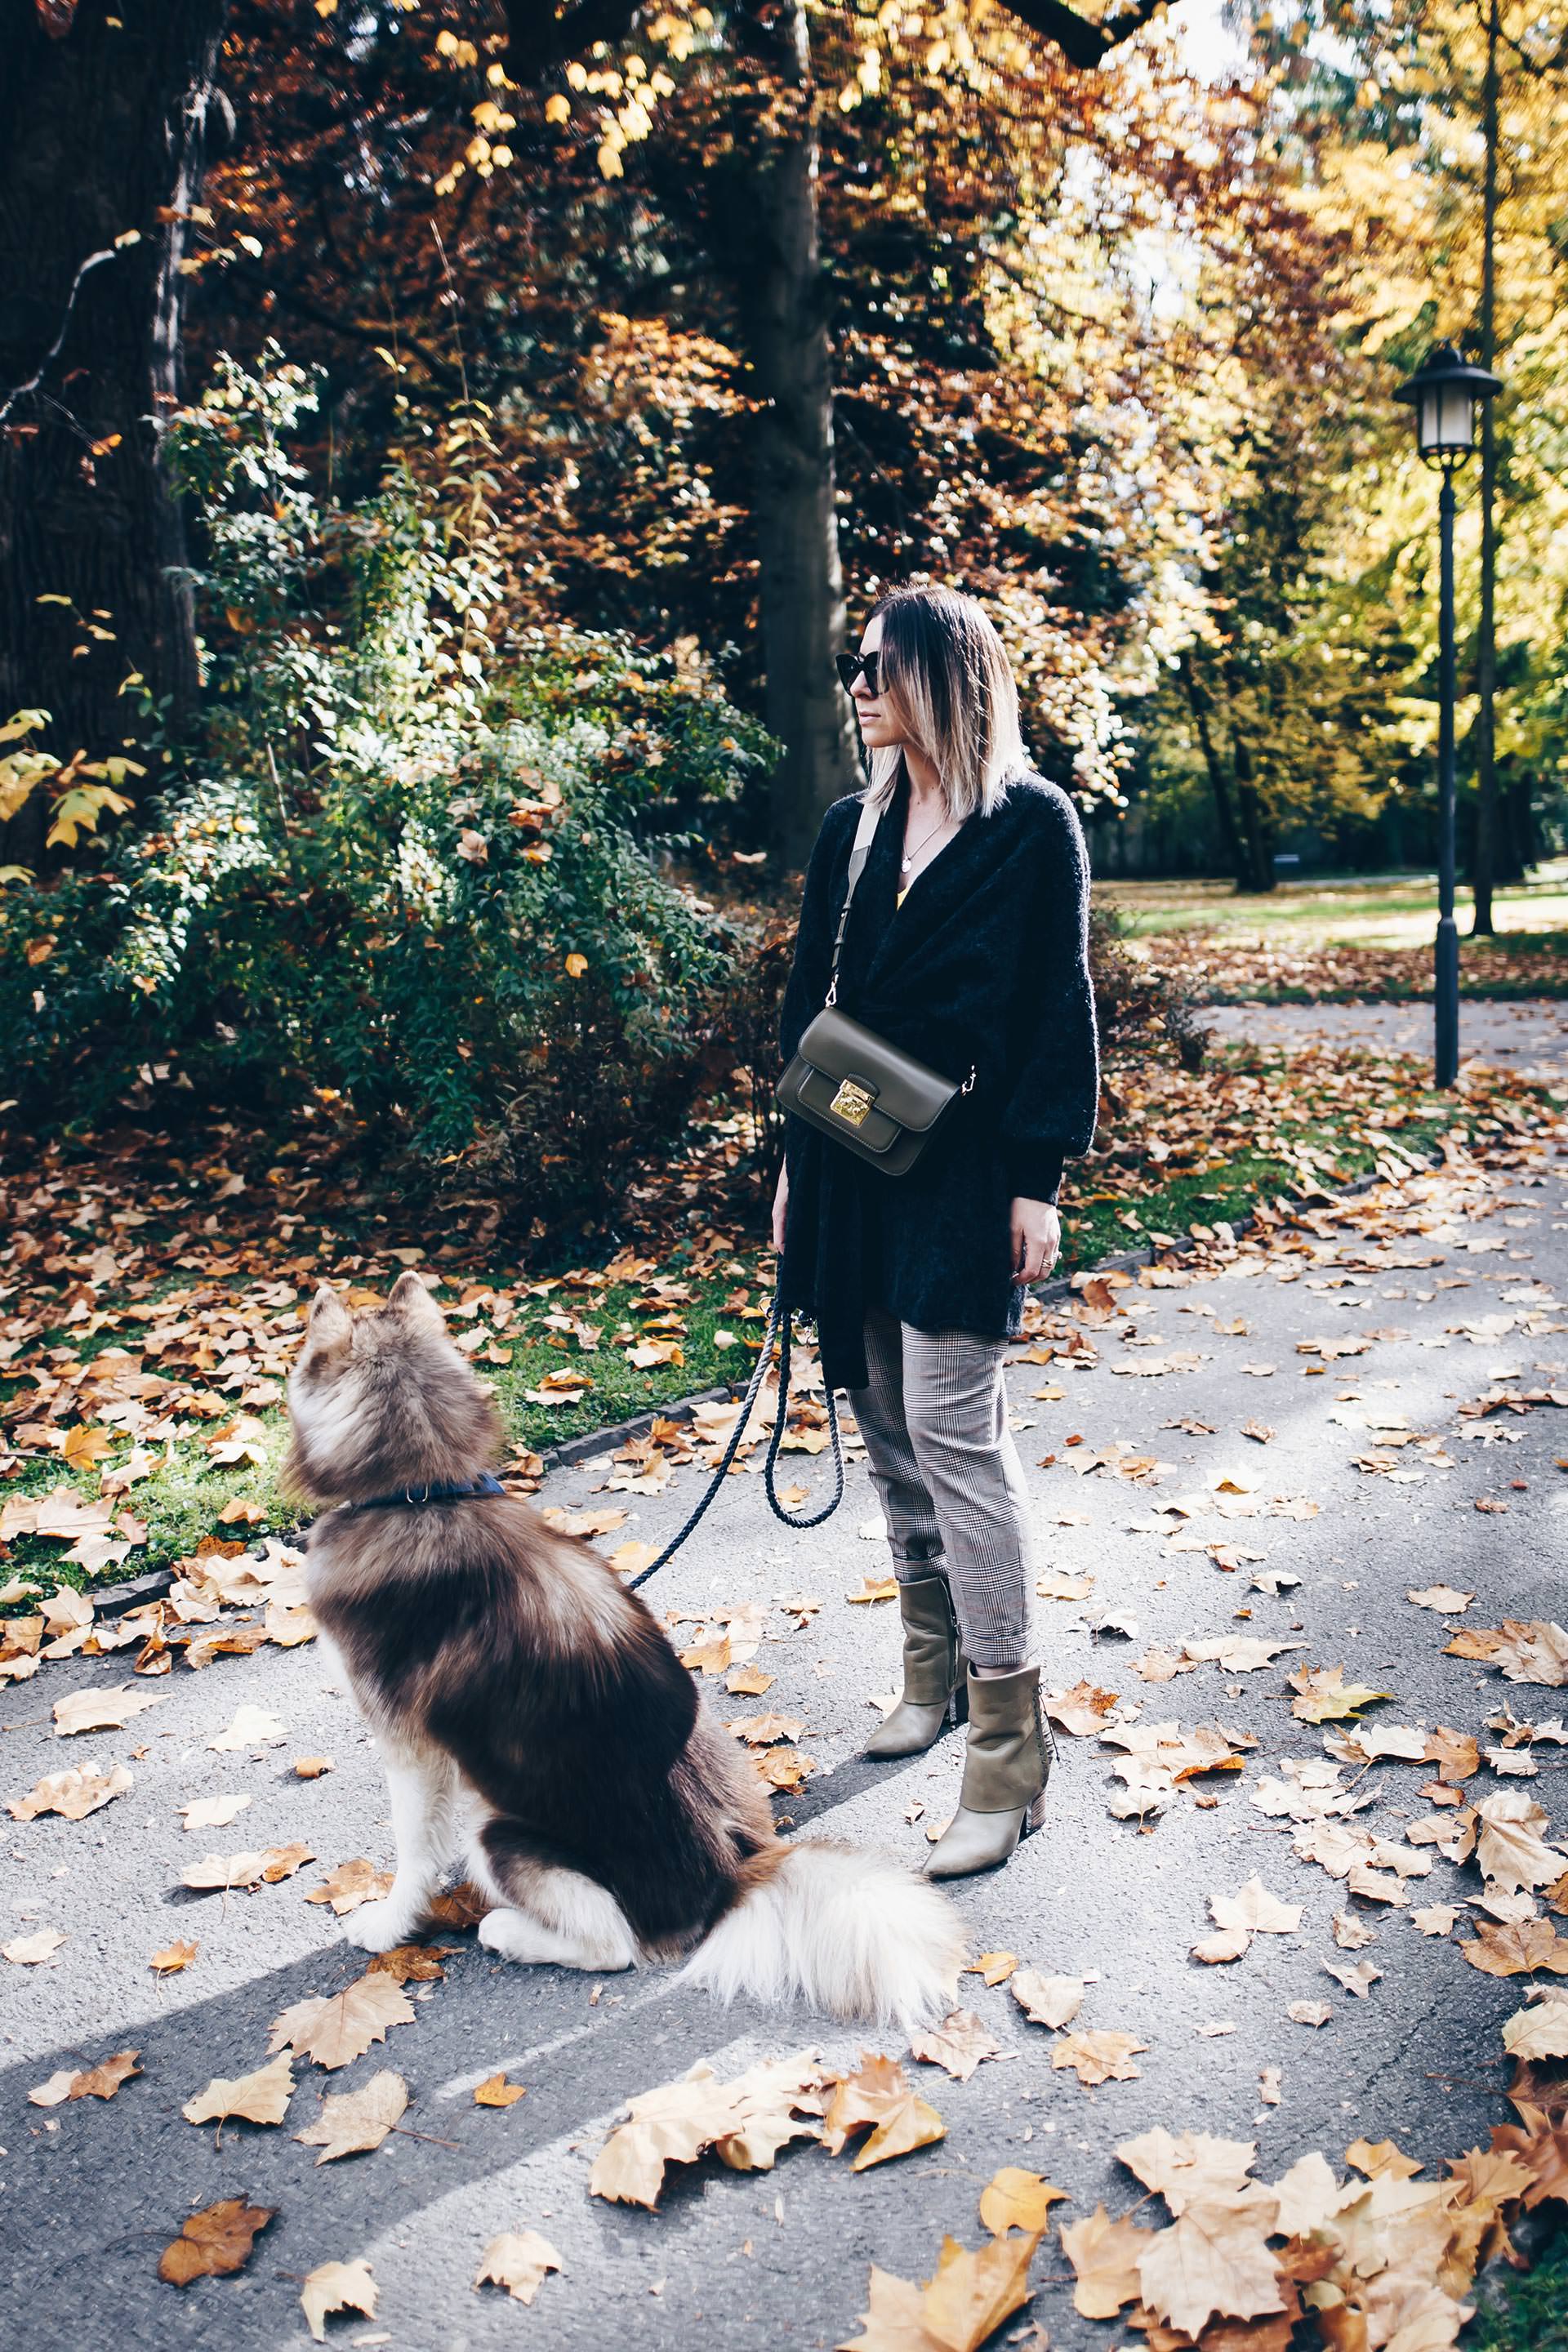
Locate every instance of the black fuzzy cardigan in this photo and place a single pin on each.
(986, 962)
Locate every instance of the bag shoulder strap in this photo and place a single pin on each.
(871, 817)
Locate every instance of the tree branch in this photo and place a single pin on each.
(20, 390)
(1082, 42)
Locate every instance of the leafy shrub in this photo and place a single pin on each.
(452, 909)
(1134, 998)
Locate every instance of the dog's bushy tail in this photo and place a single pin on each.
(855, 1933)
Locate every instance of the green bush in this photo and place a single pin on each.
(451, 906)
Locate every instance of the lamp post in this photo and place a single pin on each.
(1445, 394)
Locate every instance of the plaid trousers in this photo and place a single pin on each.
(934, 1414)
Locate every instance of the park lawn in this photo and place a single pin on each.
(1391, 910)
(1340, 941)
(214, 1314)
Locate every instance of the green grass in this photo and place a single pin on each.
(183, 1502)
(1531, 2313)
(1379, 911)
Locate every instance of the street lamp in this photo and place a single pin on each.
(1446, 394)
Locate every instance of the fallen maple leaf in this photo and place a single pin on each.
(1325, 1695)
(1257, 1910)
(1509, 1842)
(1048, 2000)
(352, 1883)
(310, 1768)
(1515, 1949)
(464, 1905)
(108, 1710)
(1440, 1596)
(260, 2097)
(1540, 2030)
(1100, 2056)
(416, 1963)
(746, 2122)
(173, 1958)
(785, 1769)
(956, 2311)
(1213, 2260)
(1105, 2255)
(213, 1812)
(1533, 1652)
(1015, 2199)
(1358, 1979)
(1230, 1944)
(517, 2260)
(248, 1870)
(1311, 2013)
(103, 2081)
(72, 1794)
(214, 2242)
(1192, 2165)
(877, 2094)
(1081, 1710)
(958, 2045)
(337, 2287)
(252, 1728)
(31, 1951)
(58, 2087)
(334, 2031)
(1381, 2160)
(358, 2121)
(495, 2091)
(994, 1968)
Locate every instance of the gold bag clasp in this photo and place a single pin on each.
(851, 1102)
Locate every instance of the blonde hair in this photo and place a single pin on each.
(946, 672)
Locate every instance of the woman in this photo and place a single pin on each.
(966, 943)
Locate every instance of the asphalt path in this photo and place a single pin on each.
(94, 2190)
(1528, 1034)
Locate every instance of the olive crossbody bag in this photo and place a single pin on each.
(877, 1100)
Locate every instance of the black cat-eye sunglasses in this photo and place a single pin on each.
(852, 665)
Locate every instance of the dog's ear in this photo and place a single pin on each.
(328, 1325)
(409, 1298)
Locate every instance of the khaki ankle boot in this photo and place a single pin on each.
(935, 1673)
(1006, 1769)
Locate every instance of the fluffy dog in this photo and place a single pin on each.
(536, 1725)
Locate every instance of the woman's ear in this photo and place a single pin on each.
(409, 1297)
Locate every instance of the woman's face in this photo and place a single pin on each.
(879, 725)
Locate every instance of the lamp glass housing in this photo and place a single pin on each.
(1447, 420)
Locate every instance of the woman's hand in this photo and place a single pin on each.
(781, 1202)
(1036, 1240)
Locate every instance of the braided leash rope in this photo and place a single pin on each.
(788, 1314)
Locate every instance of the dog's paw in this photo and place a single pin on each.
(378, 1927)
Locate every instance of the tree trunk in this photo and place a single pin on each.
(1219, 784)
(102, 116)
(1259, 863)
(1484, 870)
(771, 240)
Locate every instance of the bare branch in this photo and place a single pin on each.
(20, 390)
